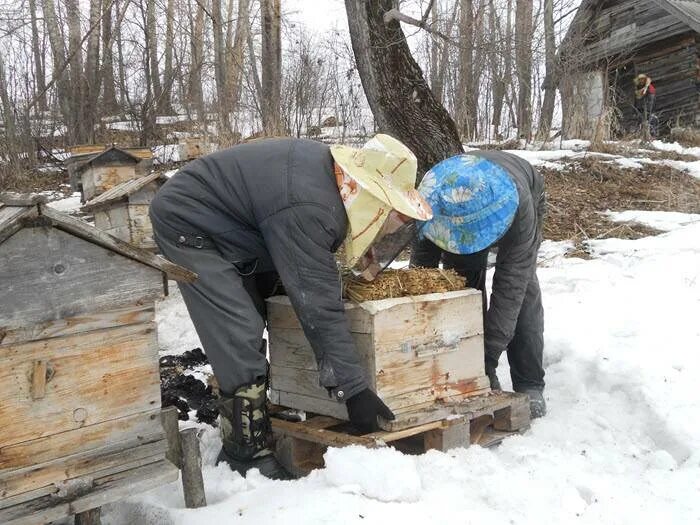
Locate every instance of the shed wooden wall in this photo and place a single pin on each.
(620, 39)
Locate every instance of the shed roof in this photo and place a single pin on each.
(686, 10)
(681, 14)
(120, 191)
(17, 211)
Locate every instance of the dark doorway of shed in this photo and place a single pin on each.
(621, 85)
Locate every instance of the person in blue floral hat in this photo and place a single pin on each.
(485, 200)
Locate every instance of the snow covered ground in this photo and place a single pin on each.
(620, 444)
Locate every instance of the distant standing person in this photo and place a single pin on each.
(644, 97)
(483, 200)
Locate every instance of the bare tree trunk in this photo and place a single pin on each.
(523, 65)
(120, 62)
(37, 52)
(92, 75)
(551, 78)
(194, 90)
(237, 53)
(8, 118)
(151, 38)
(168, 74)
(109, 96)
(271, 63)
(401, 101)
(220, 73)
(465, 70)
(444, 59)
(435, 80)
(76, 120)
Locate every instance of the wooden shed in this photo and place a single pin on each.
(416, 351)
(122, 211)
(79, 376)
(609, 43)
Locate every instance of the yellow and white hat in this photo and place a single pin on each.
(373, 181)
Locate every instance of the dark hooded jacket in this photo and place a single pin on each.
(274, 205)
(516, 261)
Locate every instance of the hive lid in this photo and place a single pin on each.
(18, 211)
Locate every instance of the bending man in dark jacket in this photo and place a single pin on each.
(483, 200)
(241, 218)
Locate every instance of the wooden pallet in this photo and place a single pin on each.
(483, 420)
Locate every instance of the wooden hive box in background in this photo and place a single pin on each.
(79, 374)
(81, 154)
(106, 170)
(417, 352)
(122, 211)
(194, 147)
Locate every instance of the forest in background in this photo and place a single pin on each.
(145, 72)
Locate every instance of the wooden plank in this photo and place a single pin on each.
(98, 376)
(12, 219)
(47, 448)
(9, 198)
(107, 489)
(132, 314)
(89, 517)
(141, 230)
(280, 314)
(429, 318)
(169, 419)
(455, 434)
(321, 436)
(87, 232)
(315, 405)
(111, 456)
(70, 278)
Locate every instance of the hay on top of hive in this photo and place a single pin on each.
(402, 283)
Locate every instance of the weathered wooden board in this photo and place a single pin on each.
(48, 274)
(113, 458)
(98, 179)
(133, 314)
(89, 233)
(96, 376)
(107, 488)
(140, 228)
(50, 447)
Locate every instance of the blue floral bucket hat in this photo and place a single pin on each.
(474, 201)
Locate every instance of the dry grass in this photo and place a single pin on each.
(28, 181)
(630, 150)
(578, 194)
(402, 283)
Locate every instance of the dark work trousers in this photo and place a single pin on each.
(525, 350)
(226, 305)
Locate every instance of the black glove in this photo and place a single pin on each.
(363, 409)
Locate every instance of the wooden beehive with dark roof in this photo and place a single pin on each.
(79, 376)
(104, 171)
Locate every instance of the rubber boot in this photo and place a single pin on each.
(538, 406)
(245, 432)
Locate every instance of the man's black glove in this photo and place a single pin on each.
(363, 409)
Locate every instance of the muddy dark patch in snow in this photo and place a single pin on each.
(578, 193)
(181, 389)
